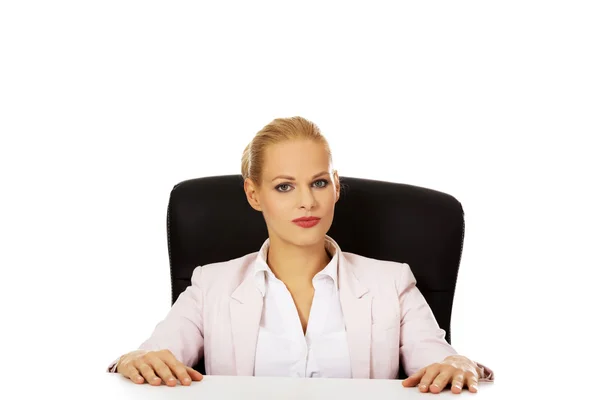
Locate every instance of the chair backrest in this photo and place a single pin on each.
(209, 220)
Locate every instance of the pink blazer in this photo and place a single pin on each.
(388, 320)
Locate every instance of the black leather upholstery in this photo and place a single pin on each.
(209, 220)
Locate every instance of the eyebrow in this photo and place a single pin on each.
(291, 178)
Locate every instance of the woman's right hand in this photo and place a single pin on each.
(156, 367)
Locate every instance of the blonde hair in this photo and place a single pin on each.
(277, 131)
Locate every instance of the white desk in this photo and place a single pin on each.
(115, 386)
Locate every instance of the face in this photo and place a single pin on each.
(297, 182)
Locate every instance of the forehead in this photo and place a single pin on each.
(296, 158)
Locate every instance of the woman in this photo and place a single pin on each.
(300, 306)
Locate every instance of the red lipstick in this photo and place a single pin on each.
(307, 222)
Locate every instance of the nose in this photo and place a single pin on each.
(307, 199)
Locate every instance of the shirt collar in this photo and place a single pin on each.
(262, 269)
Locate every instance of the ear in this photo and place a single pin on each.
(252, 194)
(337, 185)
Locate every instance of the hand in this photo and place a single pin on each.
(143, 366)
(458, 370)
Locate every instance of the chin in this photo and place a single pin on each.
(308, 238)
(309, 242)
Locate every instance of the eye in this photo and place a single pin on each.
(282, 188)
(286, 187)
(321, 183)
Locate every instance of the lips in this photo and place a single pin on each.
(307, 222)
(303, 219)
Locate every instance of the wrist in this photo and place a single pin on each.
(480, 371)
(129, 355)
(458, 361)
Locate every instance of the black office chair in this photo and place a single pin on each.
(209, 220)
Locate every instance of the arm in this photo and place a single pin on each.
(182, 330)
(422, 341)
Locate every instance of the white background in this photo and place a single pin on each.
(104, 106)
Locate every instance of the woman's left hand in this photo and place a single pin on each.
(457, 370)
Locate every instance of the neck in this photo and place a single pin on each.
(295, 265)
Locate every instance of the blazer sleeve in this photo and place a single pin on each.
(422, 341)
(182, 330)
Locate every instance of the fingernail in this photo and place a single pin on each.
(423, 386)
(186, 380)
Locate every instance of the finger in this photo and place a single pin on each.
(427, 379)
(472, 382)
(132, 373)
(441, 381)
(414, 378)
(177, 367)
(148, 373)
(163, 371)
(195, 375)
(458, 382)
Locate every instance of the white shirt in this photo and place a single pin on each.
(282, 348)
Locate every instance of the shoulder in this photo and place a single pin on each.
(224, 274)
(375, 272)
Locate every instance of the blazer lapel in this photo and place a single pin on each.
(245, 307)
(356, 306)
